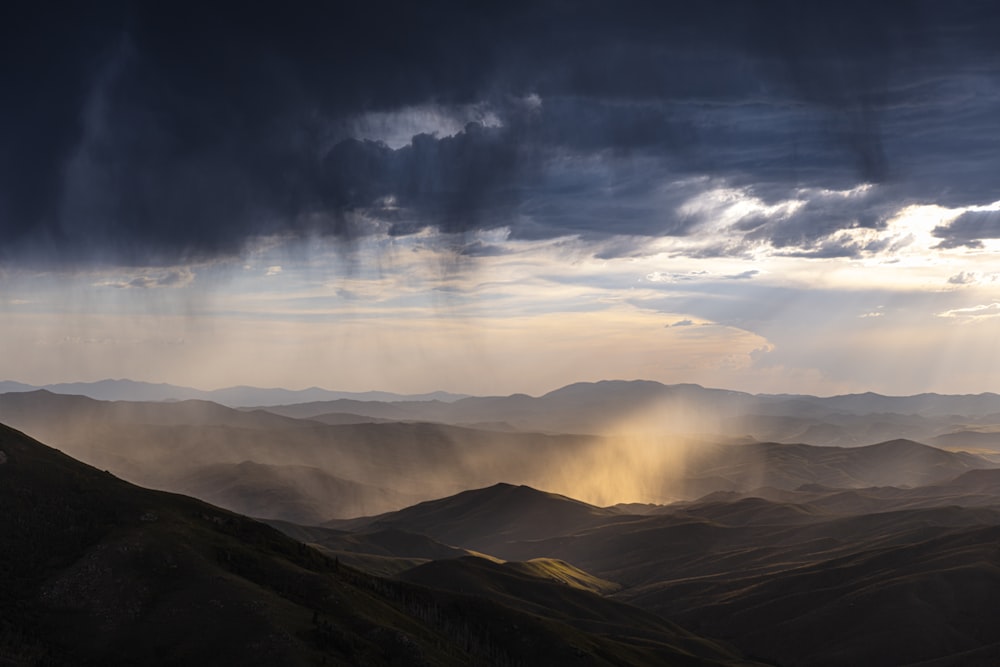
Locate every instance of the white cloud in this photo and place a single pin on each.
(980, 312)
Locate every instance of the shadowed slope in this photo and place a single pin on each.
(932, 599)
(640, 635)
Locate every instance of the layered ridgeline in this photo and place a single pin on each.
(648, 443)
(612, 406)
(95, 571)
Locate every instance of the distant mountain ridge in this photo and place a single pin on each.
(241, 396)
(579, 394)
(614, 406)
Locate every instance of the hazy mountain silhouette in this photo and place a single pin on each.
(131, 390)
(309, 472)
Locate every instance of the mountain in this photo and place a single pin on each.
(893, 463)
(97, 571)
(41, 407)
(483, 519)
(969, 440)
(587, 408)
(617, 407)
(131, 390)
(186, 446)
(163, 444)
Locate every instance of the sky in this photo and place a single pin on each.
(759, 195)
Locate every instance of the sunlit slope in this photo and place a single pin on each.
(564, 573)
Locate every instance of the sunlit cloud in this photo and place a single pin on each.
(973, 313)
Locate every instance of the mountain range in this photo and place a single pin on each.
(623, 523)
(276, 466)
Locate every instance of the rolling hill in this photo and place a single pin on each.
(484, 519)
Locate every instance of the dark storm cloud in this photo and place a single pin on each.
(968, 229)
(136, 134)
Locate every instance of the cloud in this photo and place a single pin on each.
(969, 229)
(983, 311)
(963, 278)
(744, 275)
(273, 270)
(662, 277)
(142, 137)
(152, 279)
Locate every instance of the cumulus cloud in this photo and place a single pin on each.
(963, 278)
